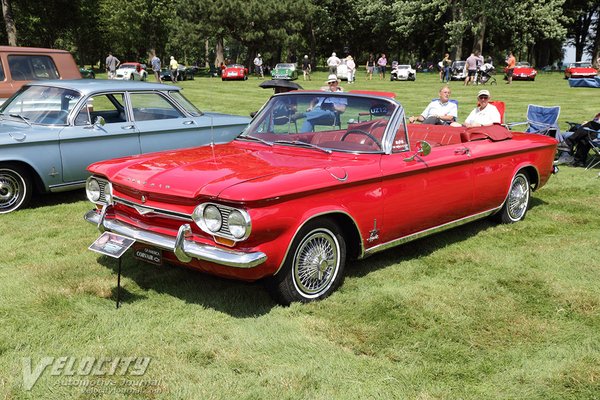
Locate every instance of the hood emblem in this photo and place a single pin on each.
(143, 210)
(143, 199)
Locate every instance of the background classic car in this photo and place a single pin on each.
(457, 71)
(403, 72)
(234, 72)
(183, 73)
(131, 71)
(299, 192)
(524, 72)
(287, 71)
(51, 131)
(580, 69)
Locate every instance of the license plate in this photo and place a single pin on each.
(148, 254)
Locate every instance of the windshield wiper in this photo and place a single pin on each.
(301, 143)
(255, 138)
(21, 118)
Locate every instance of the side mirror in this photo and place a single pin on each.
(99, 121)
(423, 149)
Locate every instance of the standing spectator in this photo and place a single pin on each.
(351, 69)
(306, 68)
(258, 66)
(156, 65)
(173, 65)
(370, 66)
(471, 67)
(112, 63)
(332, 63)
(510, 67)
(381, 63)
(447, 62)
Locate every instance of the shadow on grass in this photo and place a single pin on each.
(52, 199)
(241, 299)
(238, 299)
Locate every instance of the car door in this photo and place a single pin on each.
(427, 191)
(87, 140)
(163, 126)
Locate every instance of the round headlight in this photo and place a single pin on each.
(92, 189)
(212, 218)
(237, 224)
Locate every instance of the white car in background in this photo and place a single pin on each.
(131, 71)
(342, 71)
(403, 72)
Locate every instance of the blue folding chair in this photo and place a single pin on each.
(542, 120)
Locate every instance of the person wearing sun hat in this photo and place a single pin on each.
(484, 114)
(324, 109)
(333, 84)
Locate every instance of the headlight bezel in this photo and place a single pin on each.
(224, 230)
(104, 191)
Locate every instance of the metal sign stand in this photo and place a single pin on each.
(119, 284)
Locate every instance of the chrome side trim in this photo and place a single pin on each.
(427, 232)
(63, 187)
(182, 246)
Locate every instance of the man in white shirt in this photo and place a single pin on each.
(332, 63)
(484, 114)
(440, 111)
(258, 62)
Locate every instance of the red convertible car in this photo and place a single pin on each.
(581, 69)
(315, 179)
(524, 72)
(234, 72)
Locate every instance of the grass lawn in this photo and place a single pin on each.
(484, 311)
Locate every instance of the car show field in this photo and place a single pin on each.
(481, 311)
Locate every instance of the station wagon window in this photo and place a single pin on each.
(109, 106)
(152, 106)
(32, 67)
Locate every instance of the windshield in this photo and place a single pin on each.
(127, 66)
(185, 103)
(329, 121)
(41, 105)
(284, 66)
(522, 64)
(581, 65)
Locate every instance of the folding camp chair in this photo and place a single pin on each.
(501, 106)
(542, 120)
(594, 141)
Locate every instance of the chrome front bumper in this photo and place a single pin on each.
(185, 249)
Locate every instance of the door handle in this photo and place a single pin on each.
(128, 127)
(464, 150)
(188, 122)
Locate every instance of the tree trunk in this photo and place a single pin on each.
(206, 54)
(219, 50)
(9, 22)
(457, 16)
(478, 42)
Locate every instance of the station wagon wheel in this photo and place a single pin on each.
(314, 266)
(517, 202)
(15, 188)
(361, 132)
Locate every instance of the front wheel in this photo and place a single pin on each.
(314, 266)
(517, 202)
(15, 188)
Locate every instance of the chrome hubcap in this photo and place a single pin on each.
(9, 191)
(518, 198)
(316, 263)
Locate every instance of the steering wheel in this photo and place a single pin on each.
(361, 132)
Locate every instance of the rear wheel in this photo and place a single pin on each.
(314, 266)
(517, 202)
(15, 188)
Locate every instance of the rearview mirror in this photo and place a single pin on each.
(423, 149)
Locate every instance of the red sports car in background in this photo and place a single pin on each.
(315, 179)
(524, 72)
(581, 69)
(234, 72)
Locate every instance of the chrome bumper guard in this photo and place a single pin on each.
(185, 250)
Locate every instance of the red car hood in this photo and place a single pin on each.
(238, 171)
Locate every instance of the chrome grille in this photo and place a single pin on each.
(225, 224)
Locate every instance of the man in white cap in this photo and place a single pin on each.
(332, 63)
(258, 65)
(324, 110)
(484, 114)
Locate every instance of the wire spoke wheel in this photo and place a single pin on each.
(517, 201)
(316, 262)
